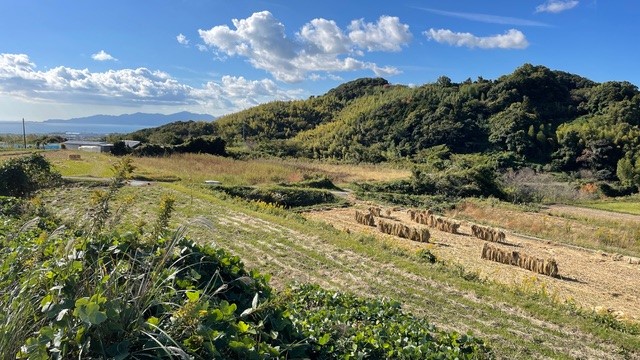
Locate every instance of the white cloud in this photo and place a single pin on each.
(320, 45)
(102, 56)
(182, 39)
(387, 35)
(556, 6)
(326, 36)
(512, 39)
(240, 93)
(20, 79)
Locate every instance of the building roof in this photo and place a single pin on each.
(131, 143)
(86, 143)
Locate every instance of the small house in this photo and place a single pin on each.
(92, 146)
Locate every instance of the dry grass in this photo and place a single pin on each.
(345, 173)
(586, 231)
(200, 167)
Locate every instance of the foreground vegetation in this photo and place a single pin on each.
(101, 287)
(298, 251)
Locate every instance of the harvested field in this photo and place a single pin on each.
(294, 250)
(593, 279)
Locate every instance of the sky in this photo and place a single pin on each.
(62, 59)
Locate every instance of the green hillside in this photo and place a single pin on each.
(535, 113)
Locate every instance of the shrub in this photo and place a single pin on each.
(120, 148)
(617, 190)
(282, 196)
(22, 176)
(202, 145)
(318, 182)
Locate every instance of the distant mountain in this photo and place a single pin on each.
(150, 120)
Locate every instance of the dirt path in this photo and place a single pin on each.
(592, 279)
(590, 213)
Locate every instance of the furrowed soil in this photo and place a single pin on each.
(329, 248)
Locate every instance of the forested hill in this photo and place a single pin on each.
(538, 114)
(534, 114)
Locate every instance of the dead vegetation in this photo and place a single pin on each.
(546, 267)
(427, 217)
(403, 231)
(365, 219)
(487, 233)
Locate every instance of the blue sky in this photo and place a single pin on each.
(69, 58)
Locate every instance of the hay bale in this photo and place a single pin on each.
(365, 219)
(547, 267)
(551, 268)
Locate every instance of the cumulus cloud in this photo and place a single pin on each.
(20, 78)
(320, 45)
(556, 6)
(388, 34)
(512, 39)
(240, 93)
(103, 56)
(182, 39)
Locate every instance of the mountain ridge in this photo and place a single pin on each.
(151, 119)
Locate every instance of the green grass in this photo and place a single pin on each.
(621, 207)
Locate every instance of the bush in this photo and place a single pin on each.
(612, 190)
(201, 145)
(20, 177)
(120, 148)
(282, 196)
(319, 182)
(152, 150)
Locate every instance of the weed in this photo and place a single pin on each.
(426, 255)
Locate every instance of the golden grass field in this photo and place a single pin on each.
(196, 168)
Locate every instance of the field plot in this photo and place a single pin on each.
(593, 279)
(297, 249)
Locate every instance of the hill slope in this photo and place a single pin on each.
(536, 114)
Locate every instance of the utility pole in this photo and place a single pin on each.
(24, 134)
